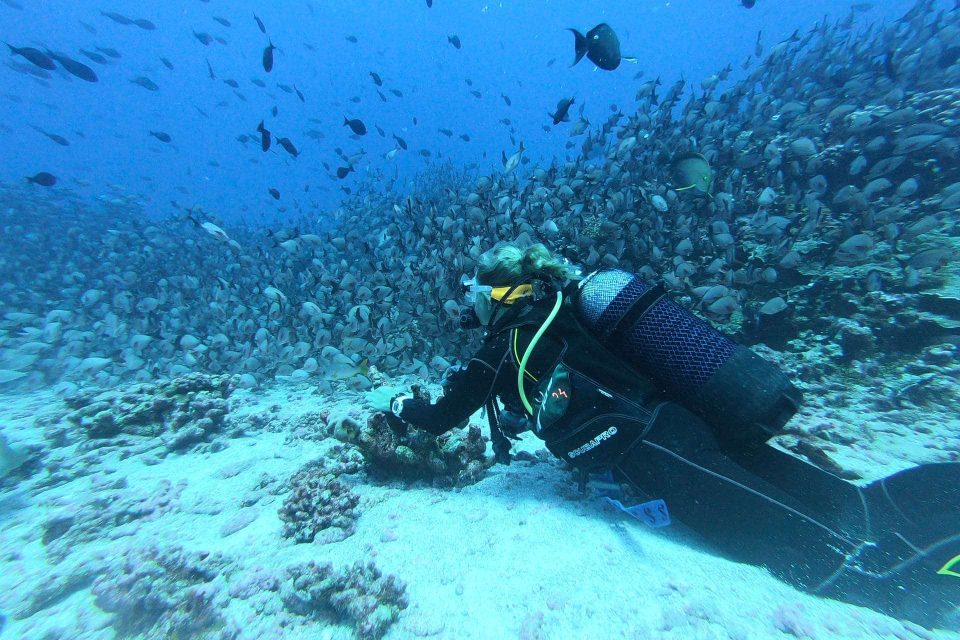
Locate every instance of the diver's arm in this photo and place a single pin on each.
(465, 394)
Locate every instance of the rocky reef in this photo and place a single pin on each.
(320, 503)
(360, 594)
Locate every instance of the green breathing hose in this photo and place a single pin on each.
(526, 354)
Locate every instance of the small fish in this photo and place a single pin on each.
(429, 3)
(506, 99)
(425, 153)
(232, 83)
(258, 82)
(465, 137)
(343, 171)
(210, 72)
(204, 38)
(264, 136)
(397, 92)
(43, 179)
(109, 52)
(273, 192)
(376, 79)
(748, 4)
(161, 136)
(146, 83)
(60, 140)
(268, 57)
(446, 132)
(454, 40)
(146, 25)
(509, 164)
(356, 125)
(299, 94)
(562, 112)
(74, 67)
(476, 94)
(352, 39)
(222, 21)
(96, 57)
(383, 98)
(400, 141)
(263, 29)
(167, 63)
(288, 146)
(34, 56)
(116, 17)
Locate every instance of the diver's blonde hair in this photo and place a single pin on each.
(506, 263)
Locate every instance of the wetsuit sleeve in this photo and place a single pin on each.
(464, 394)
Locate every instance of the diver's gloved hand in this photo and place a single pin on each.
(397, 423)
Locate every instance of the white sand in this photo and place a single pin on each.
(520, 554)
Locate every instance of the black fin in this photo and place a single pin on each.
(580, 45)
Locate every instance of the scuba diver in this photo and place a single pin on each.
(613, 375)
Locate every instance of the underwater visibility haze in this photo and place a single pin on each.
(466, 319)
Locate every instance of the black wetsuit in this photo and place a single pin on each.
(892, 546)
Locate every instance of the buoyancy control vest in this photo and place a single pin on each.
(626, 348)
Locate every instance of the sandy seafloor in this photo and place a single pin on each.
(520, 554)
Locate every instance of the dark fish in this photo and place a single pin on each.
(376, 79)
(78, 69)
(116, 17)
(454, 40)
(263, 29)
(380, 131)
(299, 94)
(429, 3)
(446, 132)
(476, 94)
(748, 3)
(273, 192)
(34, 56)
(204, 38)
(63, 142)
(268, 57)
(425, 153)
(397, 92)
(232, 83)
(562, 112)
(96, 57)
(274, 111)
(222, 21)
(90, 28)
(285, 88)
(258, 82)
(465, 137)
(948, 57)
(43, 179)
(506, 99)
(400, 141)
(210, 72)
(355, 99)
(352, 39)
(146, 25)
(166, 63)
(13, 4)
(161, 136)
(551, 61)
(546, 128)
(382, 97)
(356, 125)
(343, 171)
(506, 121)
(146, 83)
(288, 146)
(220, 40)
(264, 136)
(601, 46)
(468, 81)
(109, 52)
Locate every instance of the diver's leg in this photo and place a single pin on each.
(891, 546)
(740, 514)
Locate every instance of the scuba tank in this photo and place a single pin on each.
(745, 397)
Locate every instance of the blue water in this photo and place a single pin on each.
(506, 48)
